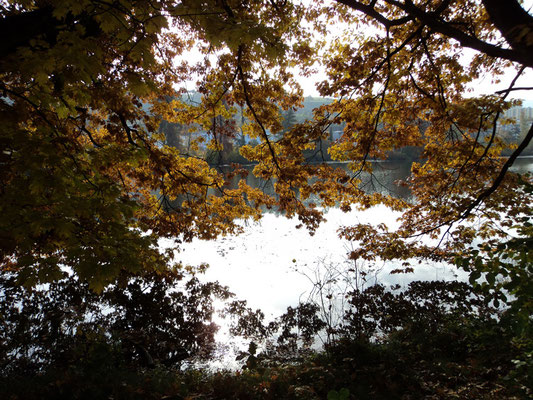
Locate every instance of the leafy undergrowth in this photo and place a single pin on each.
(353, 370)
(434, 340)
(460, 362)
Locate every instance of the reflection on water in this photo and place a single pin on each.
(385, 178)
(523, 165)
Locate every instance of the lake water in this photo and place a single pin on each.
(273, 264)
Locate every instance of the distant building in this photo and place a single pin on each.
(519, 113)
(516, 132)
(335, 135)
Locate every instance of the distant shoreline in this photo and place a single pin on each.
(346, 162)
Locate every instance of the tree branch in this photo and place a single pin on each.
(505, 91)
(514, 23)
(447, 29)
(252, 109)
(486, 193)
(369, 10)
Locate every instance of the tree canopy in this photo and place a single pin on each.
(88, 184)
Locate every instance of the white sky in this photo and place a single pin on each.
(480, 87)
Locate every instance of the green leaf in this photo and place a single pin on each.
(474, 276)
(491, 278)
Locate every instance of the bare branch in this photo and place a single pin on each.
(371, 12)
(512, 89)
(466, 40)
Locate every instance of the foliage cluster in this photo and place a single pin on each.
(432, 340)
(64, 328)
